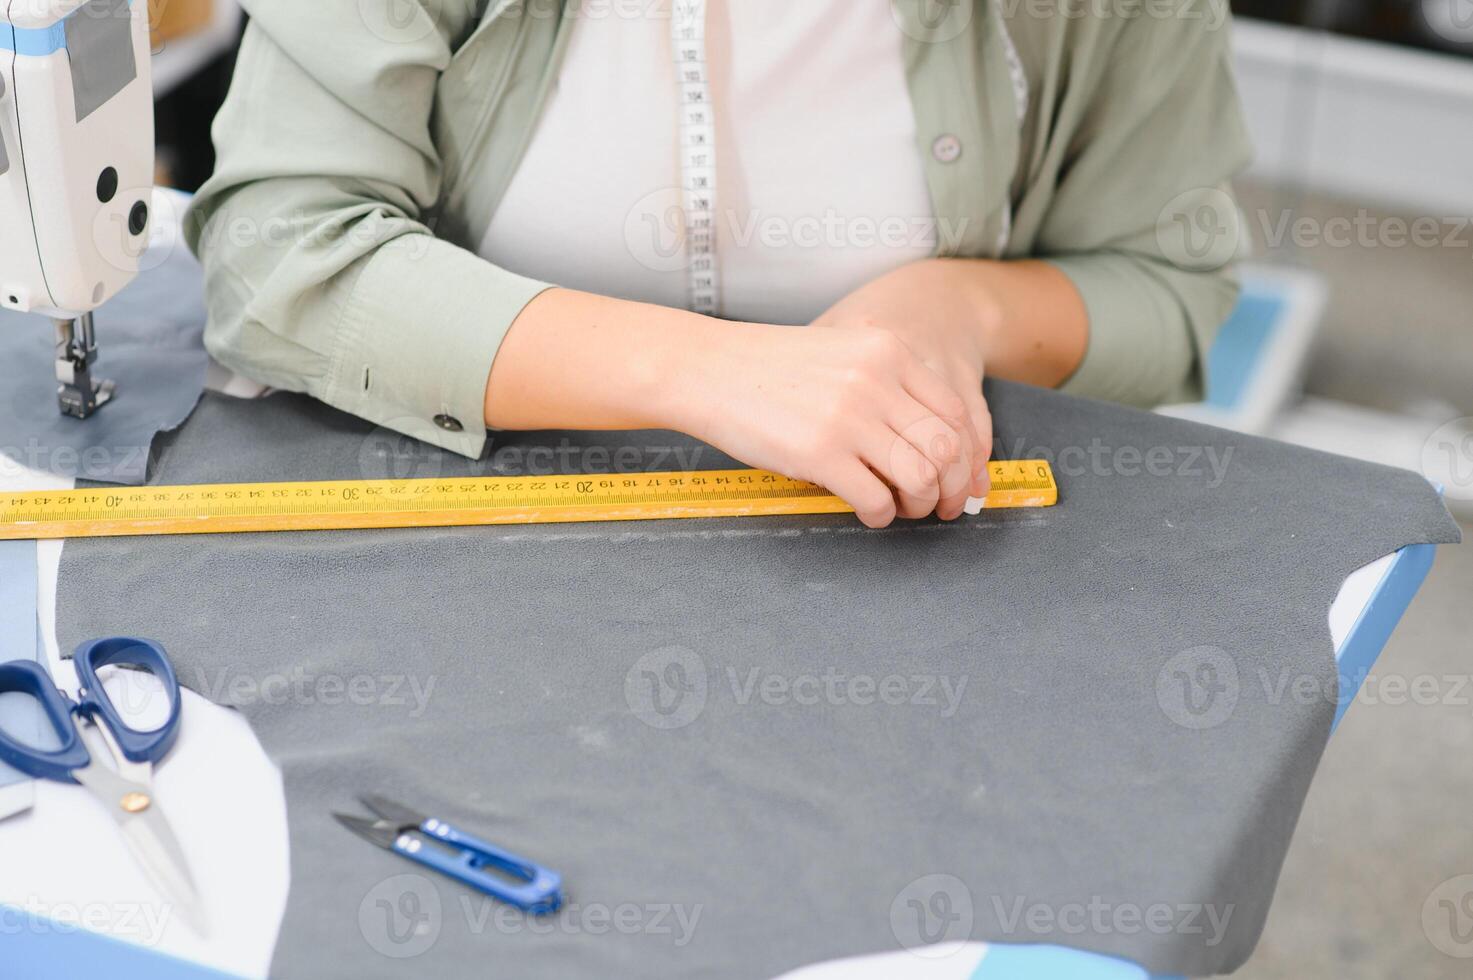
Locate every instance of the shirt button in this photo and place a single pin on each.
(449, 423)
(946, 149)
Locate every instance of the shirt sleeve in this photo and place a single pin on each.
(322, 274)
(1144, 221)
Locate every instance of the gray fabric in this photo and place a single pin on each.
(586, 695)
(99, 41)
(149, 340)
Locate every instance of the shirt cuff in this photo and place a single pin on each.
(1141, 350)
(419, 333)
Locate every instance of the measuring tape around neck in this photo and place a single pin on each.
(697, 134)
(451, 502)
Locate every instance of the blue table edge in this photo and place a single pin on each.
(1376, 622)
(44, 949)
(49, 949)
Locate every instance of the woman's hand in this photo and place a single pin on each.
(937, 310)
(850, 408)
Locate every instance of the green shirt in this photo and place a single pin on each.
(364, 147)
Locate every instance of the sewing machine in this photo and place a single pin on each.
(76, 170)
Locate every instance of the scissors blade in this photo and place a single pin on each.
(395, 813)
(151, 839)
(376, 832)
(158, 851)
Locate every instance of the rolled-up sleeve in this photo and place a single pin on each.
(1144, 222)
(322, 275)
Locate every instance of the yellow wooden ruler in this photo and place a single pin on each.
(450, 502)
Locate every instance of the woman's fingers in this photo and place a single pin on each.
(935, 393)
(974, 421)
(953, 446)
(914, 478)
(913, 453)
(858, 486)
(980, 417)
(929, 459)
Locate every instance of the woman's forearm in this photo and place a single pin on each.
(1032, 321)
(578, 361)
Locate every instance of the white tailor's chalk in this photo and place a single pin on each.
(975, 505)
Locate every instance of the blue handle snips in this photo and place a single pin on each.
(31, 679)
(528, 886)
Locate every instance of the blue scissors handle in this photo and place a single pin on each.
(29, 678)
(123, 651)
(537, 890)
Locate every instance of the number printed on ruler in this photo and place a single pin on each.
(697, 153)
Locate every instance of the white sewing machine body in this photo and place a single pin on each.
(76, 152)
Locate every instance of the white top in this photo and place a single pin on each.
(820, 186)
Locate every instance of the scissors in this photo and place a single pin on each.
(437, 845)
(126, 788)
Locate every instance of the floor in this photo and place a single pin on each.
(1387, 830)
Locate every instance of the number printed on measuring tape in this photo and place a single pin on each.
(697, 128)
